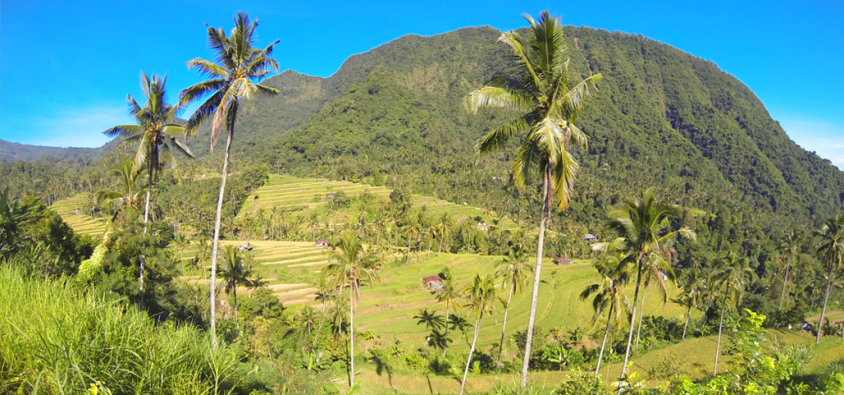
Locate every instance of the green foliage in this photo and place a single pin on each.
(58, 339)
(12, 216)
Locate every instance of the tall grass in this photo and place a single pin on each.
(57, 339)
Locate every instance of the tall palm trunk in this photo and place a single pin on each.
(784, 282)
(445, 348)
(430, 239)
(641, 315)
(142, 259)
(236, 321)
(216, 240)
(688, 317)
(442, 236)
(141, 282)
(351, 337)
(408, 250)
(471, 351)
(825, 300)
(546, 211)
(319, 330)
(718, 347)
(604, 343)
(632, 320)
(504, 328)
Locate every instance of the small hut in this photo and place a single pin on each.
(562, 261)
(433, 283)
(590, 238)
(322, 243)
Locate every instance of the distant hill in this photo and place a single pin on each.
(13, 152)
(660, 118)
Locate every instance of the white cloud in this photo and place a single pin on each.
(79, 127)
(824, 138)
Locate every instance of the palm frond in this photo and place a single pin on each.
(207, 109)
(563, 175)
(196, 91)
(497, 97)
(124, 131)
(134, 108)
(179, 146)
(529, 77)
(208, 68)
(496, 138)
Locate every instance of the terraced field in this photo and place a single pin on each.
(388, 308)
(289, 268)
(304, 196)
(72, 211)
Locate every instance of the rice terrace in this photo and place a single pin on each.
(386, 200)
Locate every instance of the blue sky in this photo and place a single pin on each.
(67, 66)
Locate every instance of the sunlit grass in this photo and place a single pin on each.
(57, 338)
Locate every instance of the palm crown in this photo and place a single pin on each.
(156, 131)
(732, 275)
(539, 87)
(238, 65)
(615, 271)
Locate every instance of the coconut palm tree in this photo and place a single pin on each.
(412, 228)
(731, 277)
(233, 78)
(830, 250)
(130, 176)
(615, 271)
(540, 88)
(181, 241)
(694, 287)
(431, 231)
(481, 295)
(351, 265)
(643, 231)
(448, 295)
(324, 292)
(659, 268)
(789, 251)
(131, 187)
(313, 223)
(443, 229)
(155, 132)
(513, 276)
(235, 271)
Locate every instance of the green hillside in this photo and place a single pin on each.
(659, 115)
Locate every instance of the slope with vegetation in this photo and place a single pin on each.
(676, 148)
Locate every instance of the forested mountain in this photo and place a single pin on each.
(660, 118)
(13, 152)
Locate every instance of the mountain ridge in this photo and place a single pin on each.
(697, 127)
